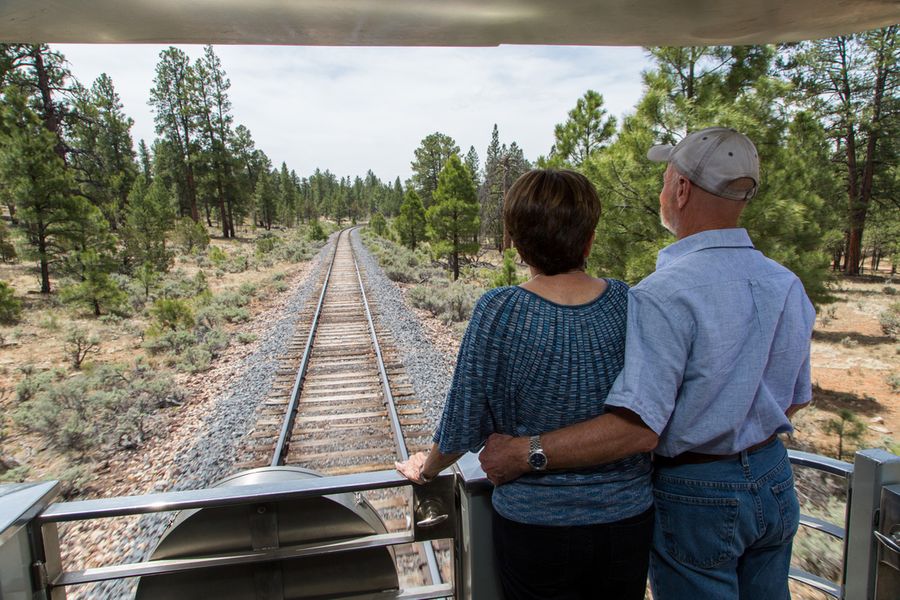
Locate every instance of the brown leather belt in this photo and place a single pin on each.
(696, 458)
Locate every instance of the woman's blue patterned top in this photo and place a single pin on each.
(527, 366)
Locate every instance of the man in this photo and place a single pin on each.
(716, 361)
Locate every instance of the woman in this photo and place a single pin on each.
(534, 358)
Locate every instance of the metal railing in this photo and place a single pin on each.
(30, 565)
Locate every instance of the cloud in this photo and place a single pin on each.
(354, 109)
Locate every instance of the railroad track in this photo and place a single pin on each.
(341, 404)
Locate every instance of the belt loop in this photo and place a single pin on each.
(745, 459)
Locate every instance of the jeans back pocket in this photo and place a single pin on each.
(697, 530)
(789, 507)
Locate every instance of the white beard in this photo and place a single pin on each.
(672, 228)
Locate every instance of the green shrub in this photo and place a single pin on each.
(316, 233)
(19, 474)
(238, 263)
(98, 291)
(172, 342)
(108, 407)
(893, 380)
(246, 338)
(234, 314)
(10, 306)
(179, 285)
(190, 236)
(172, 314)
(266, 243)
(217, 257)
(508, 274)
(194, 360)
(890, 320)
(79, 344)
(848, 428)
(50, 322)
(378, 224)
(295, 251)
(451, 302)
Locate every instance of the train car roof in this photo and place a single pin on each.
(439, 22)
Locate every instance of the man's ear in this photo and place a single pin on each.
(682, 191)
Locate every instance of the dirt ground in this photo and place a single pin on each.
(38, 342)
(855, 366)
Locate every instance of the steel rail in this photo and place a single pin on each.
(288, 426)
(433, 569)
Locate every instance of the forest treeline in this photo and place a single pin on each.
(84, 202)
(825, 116)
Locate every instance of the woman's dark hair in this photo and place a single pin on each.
(550, 215)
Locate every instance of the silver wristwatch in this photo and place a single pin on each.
(537, 460)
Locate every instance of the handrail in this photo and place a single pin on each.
(220, 496)
(467, 476)
(833, 467)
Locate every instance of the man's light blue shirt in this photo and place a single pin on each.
(717, 346)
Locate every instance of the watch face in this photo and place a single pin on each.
(537, 460)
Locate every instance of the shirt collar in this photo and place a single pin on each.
(714, 238)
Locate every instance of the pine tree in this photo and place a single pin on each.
(288, 198)
(410, 225)
(585, 132)
(265, 199)
(472, 165)
(731, 87)
(174, 99)
(145, 160)
(430, 158)
(105, 161)
(852, 83)
(492, 191)
(149, 218)
(453, 218)
(214, 110)
(42, 189)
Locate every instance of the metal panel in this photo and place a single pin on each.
(20, 546)
(476, 569)
(15, 571)
(887, 582)
(872, 470)
(438, 23)
(272, 550)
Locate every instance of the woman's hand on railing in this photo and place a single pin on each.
(413, 467)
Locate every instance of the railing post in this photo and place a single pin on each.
(872, 470)
(476, 571)
(22, 560)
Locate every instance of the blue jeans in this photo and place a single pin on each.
(724, 529)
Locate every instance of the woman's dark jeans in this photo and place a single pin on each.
(538, 562)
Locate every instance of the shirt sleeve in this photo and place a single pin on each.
(657, 345)
(466, 421)
(803, 386)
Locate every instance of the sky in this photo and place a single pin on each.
(354, 109)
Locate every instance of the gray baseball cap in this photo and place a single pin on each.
(713, 158)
